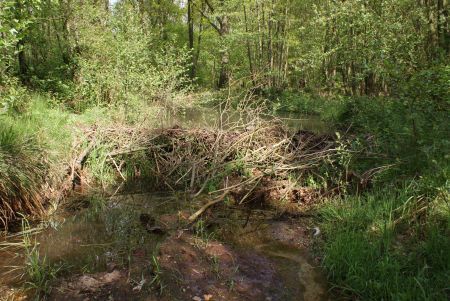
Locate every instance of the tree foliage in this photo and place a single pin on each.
(351, 47)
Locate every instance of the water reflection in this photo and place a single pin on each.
(209, 117)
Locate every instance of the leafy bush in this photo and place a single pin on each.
(14, 99)
(11, 31)
(329, 108)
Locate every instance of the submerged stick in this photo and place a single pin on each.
(199, 212)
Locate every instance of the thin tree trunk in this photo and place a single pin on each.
(260, 41)
(286, 55)
(190, 22)
(270, 45)
(443, 28)
(249, 52)
(224, 56)
(21, 59)
(23, 67)
(199, 39)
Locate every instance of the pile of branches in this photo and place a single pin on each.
(249, 158)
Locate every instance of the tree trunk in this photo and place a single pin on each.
(270, 45)
(199, 39)
(443, 28)
(190, 22)
(249, 52)
(260, 41)
(224, 54)
(23, 67)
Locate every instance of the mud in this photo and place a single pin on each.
(216, 270)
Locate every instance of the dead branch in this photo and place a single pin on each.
(199, 212)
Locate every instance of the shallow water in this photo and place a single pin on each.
(209, 117)
(89, 239)
(302, 277)
(296, 122)
(92, 238)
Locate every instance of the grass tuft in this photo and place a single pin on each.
(23, 169)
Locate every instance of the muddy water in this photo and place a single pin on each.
(107, 233)
(111, 235)
(88, 240)
(302, 277)
(288, 244)
(296, 122)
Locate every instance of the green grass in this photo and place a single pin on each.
(39, 142)
(34, 150)
(157, 275)
(392, 243)
(38, 272)
(386, 246)
(23, 167)
(202, 233)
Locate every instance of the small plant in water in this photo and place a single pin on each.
(38, 272)
(157, 280)
(201, 232)
(215, 266)
(231, 284)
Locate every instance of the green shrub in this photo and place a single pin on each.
(410, 128)
(14, 99)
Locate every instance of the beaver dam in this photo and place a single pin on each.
(221, 212)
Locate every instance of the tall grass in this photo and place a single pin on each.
(34, 146)
(388, 245)
(23, 169)
(37, 271)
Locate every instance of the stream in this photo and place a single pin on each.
(137, 246)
